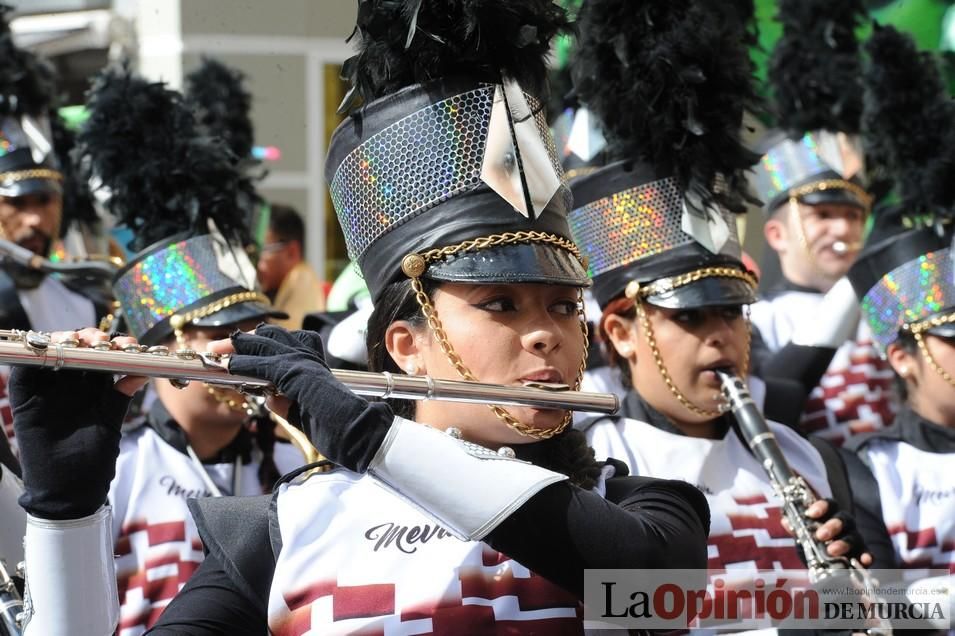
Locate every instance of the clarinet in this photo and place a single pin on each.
(792, 490)
(11, 605)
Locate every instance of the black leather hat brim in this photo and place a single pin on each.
(714, 291)
(517, 263)
(946, 330)
(839, 196)
(829, 195)
(31, 186)
(241, 312)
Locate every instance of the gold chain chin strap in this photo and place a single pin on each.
(636, 292)
(15, 176)
(222, 397)
(414, 265)
(917, 329)
(179, 321)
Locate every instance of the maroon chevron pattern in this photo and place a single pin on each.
(853, 398)
(172, 559)
(447, 616)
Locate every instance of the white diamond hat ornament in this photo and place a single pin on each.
(704, 222)
(39, 135)
(585, 138)
(516, 163)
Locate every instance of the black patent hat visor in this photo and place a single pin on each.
(238, 313)
(713, 291)
(946, 330)
(838, 196)
(515, 263)
(30, 186)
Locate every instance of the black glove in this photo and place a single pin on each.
(850, 533)
(345, 428)
(67, 425)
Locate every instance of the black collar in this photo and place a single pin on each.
(913, 429)
(636, 408)
(166, 427)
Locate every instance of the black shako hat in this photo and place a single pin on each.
(449, 171)
(28, 163)
(904, 276)
(815, 154)
(659, 223)
(178, 190)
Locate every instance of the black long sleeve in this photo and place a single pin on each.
(867, 511)
(644, 523)
(210, 604)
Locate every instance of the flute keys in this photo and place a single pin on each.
(187, 354)
(102, 345)
(158, 350)
(134, 348)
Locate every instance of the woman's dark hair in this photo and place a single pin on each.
(625, 308)
(268, 472)
(567, 453)
(397, 302)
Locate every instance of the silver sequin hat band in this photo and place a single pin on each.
(820, 156)
(427, 167)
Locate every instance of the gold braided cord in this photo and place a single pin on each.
(434, 323)
(506, 238)
(918, 329)
(663, 285)
(665, 374)
(15, 176)
(833, 184)
(178, 321)
(414, 265)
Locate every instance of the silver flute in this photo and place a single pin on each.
(29, 348)
(793, 490)
(23, 257)
(11, 605)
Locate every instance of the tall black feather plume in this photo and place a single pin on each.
(815, 67)
(909, 120)
(77, 201)
(143, 143)
(223, 105)
(27, 82)
(404, 42)
(670, 80)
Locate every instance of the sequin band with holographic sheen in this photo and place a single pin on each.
(909, 293)
(169, 279)
(11, 136)
(788, 163)
(632, 224)
(415, 163)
